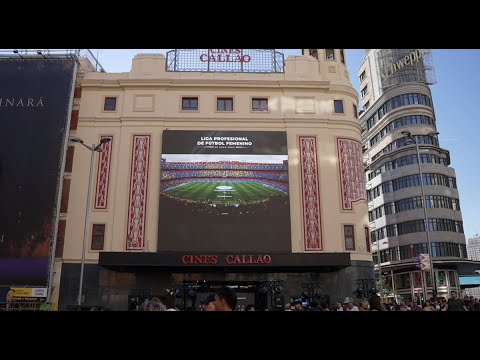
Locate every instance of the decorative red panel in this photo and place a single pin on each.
(78, 92)
(138, 192)
(310, 193)
(74, 120)
(352, 176)
(103, 174)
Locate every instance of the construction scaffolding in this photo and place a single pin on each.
(398, 66)
(53, 54)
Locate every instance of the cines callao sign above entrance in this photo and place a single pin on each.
(226, 259)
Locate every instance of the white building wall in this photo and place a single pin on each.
(473, 248)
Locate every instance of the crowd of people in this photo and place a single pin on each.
(230, 165)
(174, 174)
(454, 303)
(172, 183)
(225, 299)
(222, 173)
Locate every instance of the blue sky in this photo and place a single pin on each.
(455, 96)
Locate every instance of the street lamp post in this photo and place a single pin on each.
(379, 262)
(94, 148)
(408, 134)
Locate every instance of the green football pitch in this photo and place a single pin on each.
(223, 192)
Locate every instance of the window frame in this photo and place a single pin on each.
(252, 99)
(364, 91)
(342, 56)
(362, 76)
(224, 98)
(313, 53)
(326, 55)
(190, 97)
(95, 236)
(343, 107)
(104, 109)
(348, 236)
(367, 239)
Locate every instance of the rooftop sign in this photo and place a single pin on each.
(410, 59)
(226, 60)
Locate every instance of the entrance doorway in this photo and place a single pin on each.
(191, 294)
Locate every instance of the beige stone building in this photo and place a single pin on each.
(149, 231)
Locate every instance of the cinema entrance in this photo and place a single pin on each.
(190, 295)
(267, 281)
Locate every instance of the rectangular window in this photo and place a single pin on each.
(367, 238)
(342, 55)
(189, 103)
(313, 53)
(349, 237)
(98, 236)
(259, 104)
(338, 106)
(110, 104)
(417, 279)
(363, 76)
(402, 281)
(452, 278)
(355, 111)
(329, 54)
(364, 91)
(224, 104)
(367, 104)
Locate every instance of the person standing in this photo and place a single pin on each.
(376, 303)
(363, 305)
(454, 303)
(209, 303)
(350, 305)
(225, 299)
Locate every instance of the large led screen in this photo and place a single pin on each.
(224, 191)
(35, 97)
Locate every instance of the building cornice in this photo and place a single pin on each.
(162, 121)
(204, 83)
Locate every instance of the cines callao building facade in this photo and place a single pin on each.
(235, 167)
